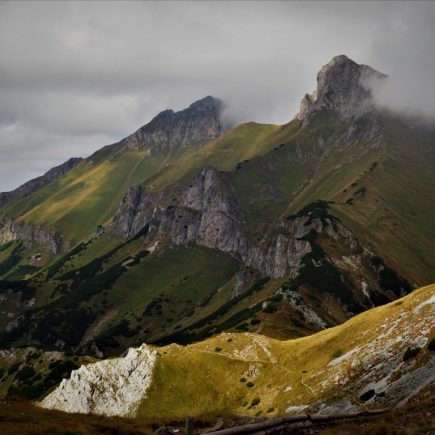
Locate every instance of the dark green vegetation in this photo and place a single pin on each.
(367, 395)
(30, 373)
(372, 177)
(176, 281)
(411, 352)
(33, 386)
(12, 260)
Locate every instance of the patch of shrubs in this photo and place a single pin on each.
(325, 277)
(411, 352)
(376, 261)
(57, 265)
(255, 401)
(5, 246)
(22, 270)
(373, 166)
(242, 379)
(65, 325)
(255, 321)
(290, 286)
(188, 335)
(270, 309)
(154, 307)
(315, 210)
(217, 349)
(319, 273)
(367, 395)
(278, 297)
(337, 354)
(27, 292)
(25, 373)
(250, 384)
(13, 368)
(388, 278)
(60, 369)
(11, 261)
(379, 298)
(139, 256)
(360, 191)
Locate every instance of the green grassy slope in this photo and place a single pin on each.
(89, 194)
(241, 143)
(115, 294)
(86, 196)
(385, 196)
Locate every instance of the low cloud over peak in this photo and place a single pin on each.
(78, 75)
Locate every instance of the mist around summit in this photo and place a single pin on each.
(84, 75)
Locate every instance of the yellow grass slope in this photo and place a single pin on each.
(359, 363)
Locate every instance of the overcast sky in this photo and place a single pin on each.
(75, 76)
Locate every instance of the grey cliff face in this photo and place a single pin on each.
(31, 235)
(207, 214)
(221, 223)
(170, 130)
(39, 182)
(342, 87)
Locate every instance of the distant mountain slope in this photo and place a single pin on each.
(380, 358)
(283, 230)
(88, 195)
(39, 182)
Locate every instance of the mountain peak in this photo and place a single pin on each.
(207, 103)
(169, 130)
(342, 87)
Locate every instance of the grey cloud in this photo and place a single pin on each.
(75, 76)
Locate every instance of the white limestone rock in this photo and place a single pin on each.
(113, 387)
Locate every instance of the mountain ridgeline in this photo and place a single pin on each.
(188, 228)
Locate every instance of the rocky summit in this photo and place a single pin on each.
(343, 86)
(172, 131)
(197, 269)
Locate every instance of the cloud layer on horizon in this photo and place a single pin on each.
(75, 76)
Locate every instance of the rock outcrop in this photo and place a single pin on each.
(383, 358)
(170, 130)
(342, 87)
(39, 182)
(31, 235)
(112, 387)
(206, 213)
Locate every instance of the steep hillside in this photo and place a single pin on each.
(181, 230)
(382, 357)
(89, 194)
(39, 182)
(189, 271)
